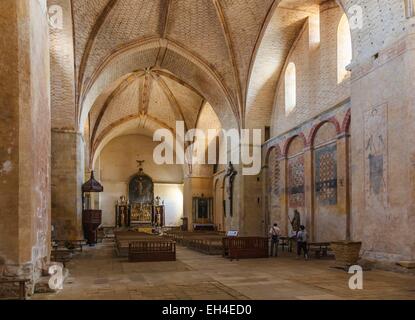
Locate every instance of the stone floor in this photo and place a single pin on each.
(98, 274)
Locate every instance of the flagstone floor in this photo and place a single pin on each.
(96, 274)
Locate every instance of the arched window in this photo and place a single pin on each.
(344, 49)
(290, 88)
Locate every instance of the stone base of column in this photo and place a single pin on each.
(31, 272)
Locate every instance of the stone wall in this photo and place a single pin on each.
(383, 153)
(25, 132)
(316, 73)
(307, 170)
(117, 164)
(67, 179)
(67, 143)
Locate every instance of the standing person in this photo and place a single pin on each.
(275, 234)
(302, 242)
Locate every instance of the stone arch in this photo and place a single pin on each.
(275, 147)
(289, 141)
(295, 180)
(317, 127)
(178, 61)
(273, 187)
(347, 122)
(148, 124)
(328, 223)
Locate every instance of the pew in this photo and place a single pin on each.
(209, 244)
(124, 238)
(245, 247)
(152, 251)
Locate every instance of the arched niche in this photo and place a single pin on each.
(296, 179)
(273, 188)
(329, 221)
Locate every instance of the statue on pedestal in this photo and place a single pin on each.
(230, 176)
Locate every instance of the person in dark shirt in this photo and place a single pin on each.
(302, 242)
(275, 234)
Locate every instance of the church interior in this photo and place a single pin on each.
(90, 91)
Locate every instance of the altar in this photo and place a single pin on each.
(141, 209)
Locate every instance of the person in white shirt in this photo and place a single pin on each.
(275, 234)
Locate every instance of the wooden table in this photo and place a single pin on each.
(320, 248)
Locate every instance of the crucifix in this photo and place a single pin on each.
(140, 164)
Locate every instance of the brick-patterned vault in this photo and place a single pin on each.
(145, 100)
(233, 51)
(208, 44)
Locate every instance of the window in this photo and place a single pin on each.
(344, 49)
(290, 88)
(267, 133)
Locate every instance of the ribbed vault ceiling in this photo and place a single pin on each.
(145, 94)
(223, 34)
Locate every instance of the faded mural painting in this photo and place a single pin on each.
(376, 160)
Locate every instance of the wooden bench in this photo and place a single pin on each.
(184, 237)
(149, 251)
(211, 245)
(245, 247)
(124, 238)
(320, 249)
(21, 291)
(69, 244)
(62, 256)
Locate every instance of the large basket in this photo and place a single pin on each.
(346, 253)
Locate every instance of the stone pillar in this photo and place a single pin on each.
(253, 222)
(343, 181)
(309, 191)
(24, 139)
(67, 142)
(266, 196)
(67, 179)
(284, 193)
(195, 186)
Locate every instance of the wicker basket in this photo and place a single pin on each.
(346, 252)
